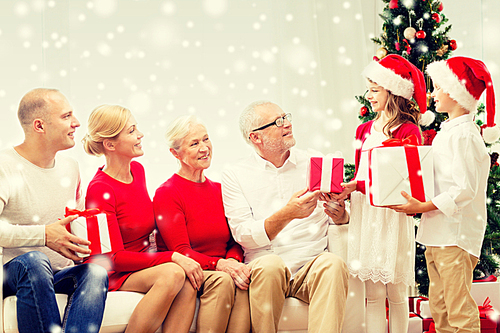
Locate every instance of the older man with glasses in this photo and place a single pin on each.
(282, 227)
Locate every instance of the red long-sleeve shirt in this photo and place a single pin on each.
(190, 218)
(130, 214)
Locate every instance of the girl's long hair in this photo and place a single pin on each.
(400, 110)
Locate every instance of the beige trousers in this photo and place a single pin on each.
(322, 282)
(223, 306)
(450, 271)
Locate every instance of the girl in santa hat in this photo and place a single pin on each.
(454, 221)
(381, 241)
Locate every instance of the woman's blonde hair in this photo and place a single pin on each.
(179, 129)
(105, 122)
(400, 110)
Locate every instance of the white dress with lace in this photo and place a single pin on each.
(381, 241)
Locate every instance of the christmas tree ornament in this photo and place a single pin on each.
(397, 46)
(420, 34)
(442, 50)
(393, 4)
(440, 8)
(453, 44)
(363, 111)
(409, 33)
(429, 98)
(465, 80)
(436, 17)
(381, 52)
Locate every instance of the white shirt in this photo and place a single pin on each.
(253, 190)
(30, 198)
(461, 168)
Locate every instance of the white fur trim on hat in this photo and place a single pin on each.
(491, 134)
(427, 118)
(444, 77)
(389, 80)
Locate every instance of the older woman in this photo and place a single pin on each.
(119, 188)
(190, 218)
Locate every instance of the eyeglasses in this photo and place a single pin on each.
(278, 122)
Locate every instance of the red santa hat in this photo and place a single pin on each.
(401, 78)
(465, 80)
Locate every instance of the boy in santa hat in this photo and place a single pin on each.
(453, 222)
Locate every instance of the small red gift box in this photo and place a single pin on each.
(488, 317)
(92, 224)
(325, 174)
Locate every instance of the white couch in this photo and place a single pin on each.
(120, 304)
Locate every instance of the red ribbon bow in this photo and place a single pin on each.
(83, 213)
(411, 140)
(486, 305)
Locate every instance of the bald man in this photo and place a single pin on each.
(35, 188)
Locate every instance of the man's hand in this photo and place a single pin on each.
(348, 188)
(60, 240)
(335, 208)
(238, 271)
(302, 204)
(413, 206)
(192, 269)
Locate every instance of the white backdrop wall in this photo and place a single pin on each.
(166, 58)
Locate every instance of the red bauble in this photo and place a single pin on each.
(364, 111)
(398, 46)
(420, 34)
(440, 8)
(436, 17)
(393, 4)
(453, 45)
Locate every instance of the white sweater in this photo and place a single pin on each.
(31, 197)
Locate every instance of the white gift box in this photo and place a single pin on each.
(390, 171)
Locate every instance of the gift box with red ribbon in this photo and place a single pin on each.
(488, 317)
(325, 174)
(400, 165)
(92, 224)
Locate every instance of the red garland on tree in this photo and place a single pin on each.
(429, 136)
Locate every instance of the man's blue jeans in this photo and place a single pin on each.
(30, 278)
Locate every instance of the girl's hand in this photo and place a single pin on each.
(238, 271)
(413, 206)
(192, 269)
(348, 188)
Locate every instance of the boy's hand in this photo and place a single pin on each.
(413, 206)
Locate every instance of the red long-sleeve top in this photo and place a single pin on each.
(401, 132)
(190, 218)
(130, 219)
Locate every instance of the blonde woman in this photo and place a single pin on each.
(119, 188)
(191, 220)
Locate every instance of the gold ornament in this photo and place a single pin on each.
(442, 50)
(381, 52)
(429, 98)
(409, 33)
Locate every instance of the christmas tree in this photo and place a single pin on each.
(418, 31)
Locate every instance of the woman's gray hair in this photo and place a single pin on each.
(179, 129)
(249, 119)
